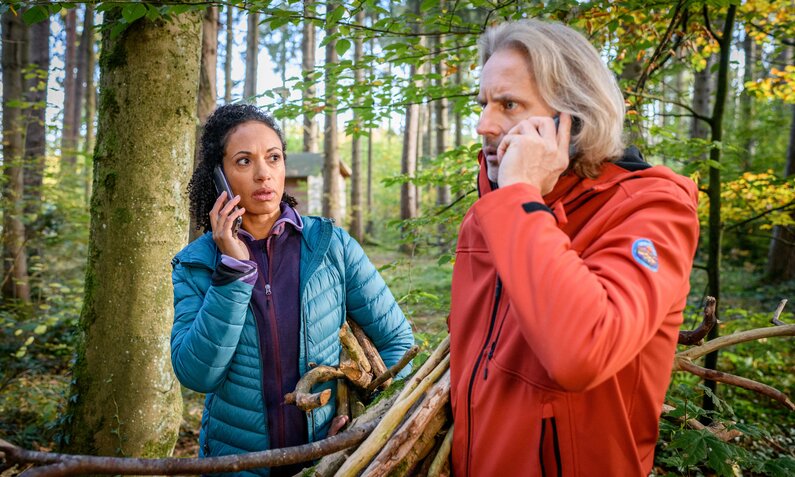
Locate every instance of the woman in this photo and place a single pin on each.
(254, 309)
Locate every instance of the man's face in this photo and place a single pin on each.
(507, 95)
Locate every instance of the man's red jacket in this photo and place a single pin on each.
(564, 321)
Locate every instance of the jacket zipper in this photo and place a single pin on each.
(493, 346)
(555, 444)
(497, 294)
(275, 337)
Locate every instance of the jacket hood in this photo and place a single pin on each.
(570, 186)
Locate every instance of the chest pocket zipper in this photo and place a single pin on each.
(556, 447)
(493, 346)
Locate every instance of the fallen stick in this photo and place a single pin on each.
(398, 447)
(684, 364)
(303, 396)
(329, 464)
(443, 455)
(386, 377)
(692, 337)
(411, 462)
(59, 465)
(354, 349)
(376, 362)
(365, 452)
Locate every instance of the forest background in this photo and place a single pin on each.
(102, 102)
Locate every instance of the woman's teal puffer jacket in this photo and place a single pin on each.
(214, 341)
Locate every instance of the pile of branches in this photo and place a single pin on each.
(405, 429)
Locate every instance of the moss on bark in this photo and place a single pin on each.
(125, 398)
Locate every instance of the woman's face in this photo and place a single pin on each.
(254, 166)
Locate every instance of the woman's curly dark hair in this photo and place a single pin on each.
(215, 134)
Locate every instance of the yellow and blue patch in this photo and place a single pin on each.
(645, 254)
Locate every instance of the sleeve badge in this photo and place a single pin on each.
(645, 254)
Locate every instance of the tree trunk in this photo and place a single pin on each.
(781, 255)
(411, 153)
(331, 161)
(457, 118)
(713, 190)
(369, 228)
(230, 42)
(747, 103)
(14, 58)
(442, 140)
(308, 67)
(252, 49)
(207, 88)
(80, 87)
(357, 196)
(68, 136)
(125, 398)
(36, 137)
(91, 97)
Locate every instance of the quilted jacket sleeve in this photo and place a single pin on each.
(207, 327)
(371, 304)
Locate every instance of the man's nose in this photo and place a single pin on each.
(487, 123)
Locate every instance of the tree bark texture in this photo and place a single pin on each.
(36, 136)
(91, 96)
(125, 398)
(68, 133)
(442, 137)
(207, 88)
(252, 49)
(713, 190)
(331, 161)
(14, 58)
(357, 193)
(80, 87)
(781, 255)
(230, 42)
(308, 68)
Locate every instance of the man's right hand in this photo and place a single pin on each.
(534, 152)
(222, 217)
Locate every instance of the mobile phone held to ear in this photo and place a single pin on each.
(576, 126)
(222, 185)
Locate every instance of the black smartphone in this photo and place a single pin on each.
(222, 185)
(576, 125)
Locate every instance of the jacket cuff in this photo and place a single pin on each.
(231, 269)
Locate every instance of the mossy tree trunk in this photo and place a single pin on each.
(125, 398)
(14, 270)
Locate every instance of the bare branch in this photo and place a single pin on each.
(692, 337)
(760, 215)
(65, 464)
(686, 107)
(736, 338)
(684, 364)
(708, 26)
(303, 397)
(394, 370)
(775, 321)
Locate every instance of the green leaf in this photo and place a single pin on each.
(133, 12)
(335, 15)
(35, 14)
(342, 46)
(40, 330)
(152, 13)
(117, 29)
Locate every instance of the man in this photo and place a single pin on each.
(571, 271)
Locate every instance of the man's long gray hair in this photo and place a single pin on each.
(572, 78)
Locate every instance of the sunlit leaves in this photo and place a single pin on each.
(780, 85)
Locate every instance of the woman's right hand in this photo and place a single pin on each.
(222, 217)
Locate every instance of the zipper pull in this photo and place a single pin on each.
(493, 347)
(268, 289)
